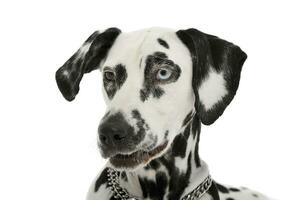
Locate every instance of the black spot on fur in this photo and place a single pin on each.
(255, 195)
(102, 179)
(163, 43)
(121, 75)
(196, 152)
(187, 131)
(213, 191)
(141, 124)
(154, 164)
(187, 118)
(124, 176)
(222, 188)
(161, 55)
(154, 189)
(111, 86)
(166, 135)
(179, 146)
(196, 129)
(179, 182)
(230, 198)
(196, 126)
(151, 85)
(234, 189)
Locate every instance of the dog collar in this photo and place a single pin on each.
(122, 194)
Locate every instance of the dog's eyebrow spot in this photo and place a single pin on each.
(160, 54)
(163, 43)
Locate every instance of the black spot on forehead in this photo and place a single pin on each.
(163, 43)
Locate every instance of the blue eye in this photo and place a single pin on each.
(163, 74)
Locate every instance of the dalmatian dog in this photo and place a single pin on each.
(159, 85)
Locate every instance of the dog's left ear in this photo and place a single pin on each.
(216, 72)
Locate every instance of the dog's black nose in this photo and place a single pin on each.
(114, 132)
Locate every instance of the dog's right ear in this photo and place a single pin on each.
(86, 59)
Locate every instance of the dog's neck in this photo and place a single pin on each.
(173, 175)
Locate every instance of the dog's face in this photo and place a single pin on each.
(147, 86)
(154, 81)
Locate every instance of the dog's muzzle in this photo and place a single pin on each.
(119, 142)
(116, 136)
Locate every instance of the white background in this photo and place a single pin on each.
(48, 146)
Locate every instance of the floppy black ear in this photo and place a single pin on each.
(86, 59)
(216, 72)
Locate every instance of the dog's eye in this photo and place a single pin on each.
(163, 74)
(109, 75)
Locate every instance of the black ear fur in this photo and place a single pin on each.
(68, 76)
(210, 53)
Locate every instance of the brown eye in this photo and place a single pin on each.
(109, 75)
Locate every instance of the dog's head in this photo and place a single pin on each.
(154, 82)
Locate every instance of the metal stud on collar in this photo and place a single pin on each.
(121, 194)
(113, 183)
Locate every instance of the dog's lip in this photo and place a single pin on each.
(136, 158)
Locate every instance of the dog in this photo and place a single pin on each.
(159, 85)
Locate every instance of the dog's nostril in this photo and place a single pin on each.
(103, 138)
(118, 137)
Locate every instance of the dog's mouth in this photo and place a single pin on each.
(138, 157)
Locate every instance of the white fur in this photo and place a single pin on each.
(212, 89)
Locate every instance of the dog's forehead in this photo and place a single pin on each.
(130, 49)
